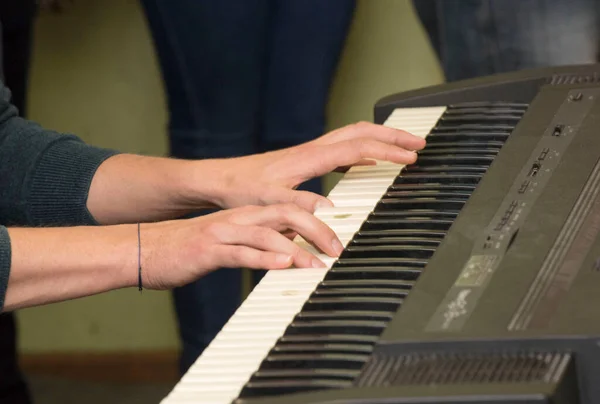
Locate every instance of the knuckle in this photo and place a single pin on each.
(262, 235)
(291, 207)
(292, 210)
(361, 143)
(362, 125)
(280, 210)
(237, 254)
(215, 228)
(303, 199)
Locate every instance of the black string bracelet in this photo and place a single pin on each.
(139, 258)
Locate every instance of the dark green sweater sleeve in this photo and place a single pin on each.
(44, 178)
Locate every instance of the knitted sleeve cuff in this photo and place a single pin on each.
(60, 183)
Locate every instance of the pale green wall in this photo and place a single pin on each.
(95, 75)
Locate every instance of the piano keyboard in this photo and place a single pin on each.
(304, 329)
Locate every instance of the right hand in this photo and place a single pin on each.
(178, 252)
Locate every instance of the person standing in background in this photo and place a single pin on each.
(241, 77)
(481, 37)
(17, 19)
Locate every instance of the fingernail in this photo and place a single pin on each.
(337, 246)
(323, 204)
(317, 263)
(282, 259)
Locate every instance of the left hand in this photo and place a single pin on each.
(271, 178)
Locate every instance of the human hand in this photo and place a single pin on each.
(178, 252)
(44, 269)
(272, 177)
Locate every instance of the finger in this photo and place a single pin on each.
(266, 239)
(362, 148)
(313, 230)
(363, 162)
(308, 201)
(239, 256)
(324, 159)
(373, 131)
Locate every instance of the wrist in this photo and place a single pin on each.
(124, 266)
(201, 184)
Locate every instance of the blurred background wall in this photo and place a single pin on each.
(94, 74)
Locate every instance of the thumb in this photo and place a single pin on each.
(306, 200)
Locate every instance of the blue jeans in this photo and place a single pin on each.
(482, 37)
(241, 77)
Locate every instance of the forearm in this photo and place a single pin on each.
(129, 188)
(56, 264)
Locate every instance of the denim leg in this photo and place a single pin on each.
(486, 37)
(212, 59)
(211, 55)
(305, 44)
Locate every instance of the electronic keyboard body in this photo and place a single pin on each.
(507, 309)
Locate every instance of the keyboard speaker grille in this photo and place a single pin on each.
(463, 368)
(575, 79)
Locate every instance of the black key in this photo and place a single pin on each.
(320, 347)
(456, 159)
(360, 291)
(434, 186)
(437, 143)
(438, 179)
(438, 235)
(488, 104)
(375, 303)
(444, 169)
(416, 195)
(345, 315)
(342, 374)
(430, 203)
(414, 214)
(493, 119)
(408, 240)
(354, 329)
(466, 136)
(384, 273)
(442, 128)
(331, 338)
(388, 251)
(311, 361)
(351, 286)
(279, 387)
(454, 151)
(412, 224)
(381, 262)
(484, 110)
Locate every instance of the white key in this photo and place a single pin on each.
(236, 353)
